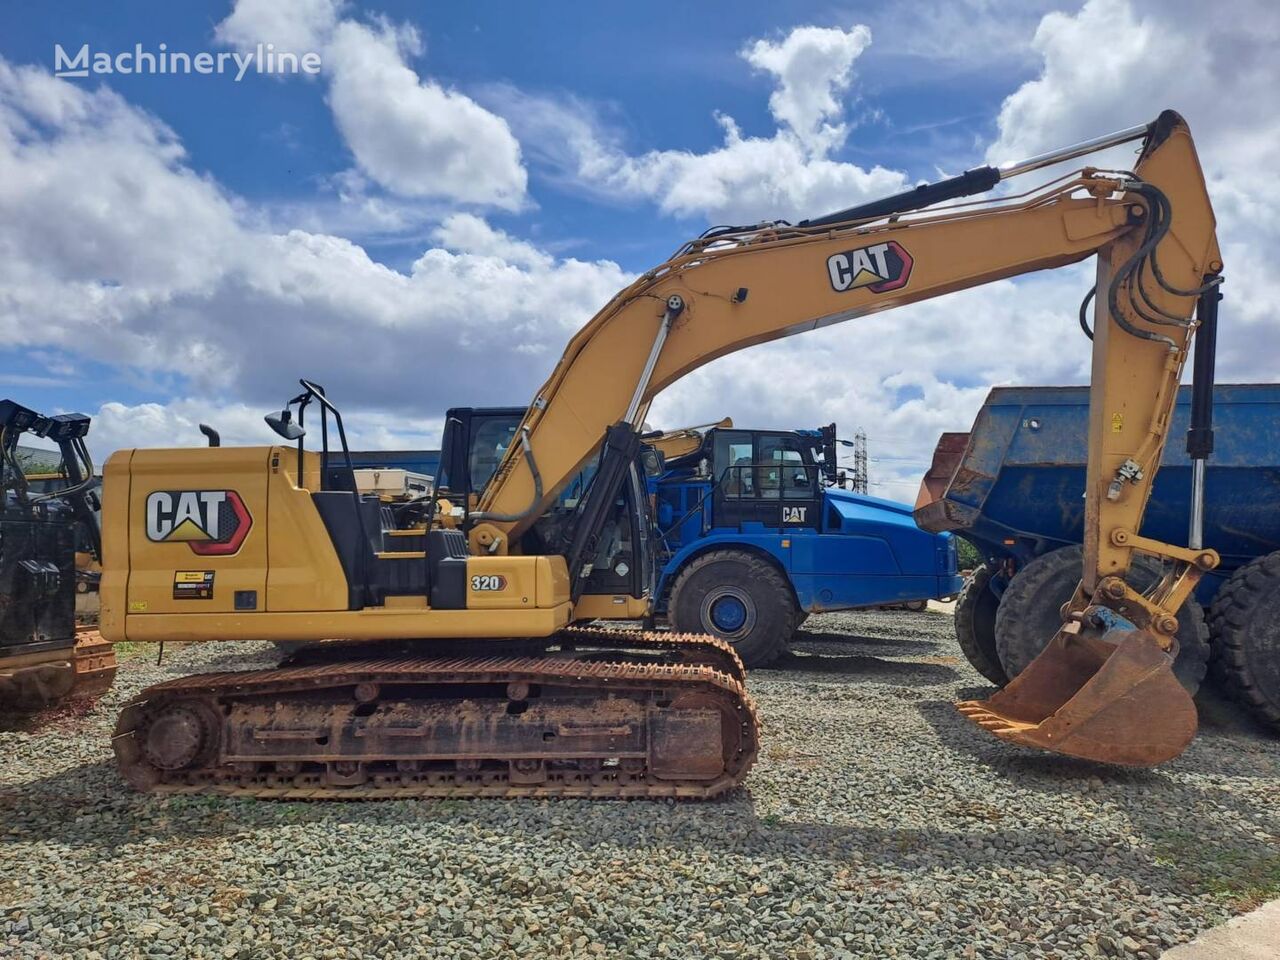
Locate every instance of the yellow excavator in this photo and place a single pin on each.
(461, 672)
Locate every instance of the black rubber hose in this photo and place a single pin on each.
(1154, 235)
(1084, 311)
(527, 448)
(1159, 197)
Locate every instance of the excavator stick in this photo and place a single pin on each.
(1111, 698)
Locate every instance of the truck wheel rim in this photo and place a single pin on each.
(729, 612)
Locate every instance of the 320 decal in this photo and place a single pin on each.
(212, 522)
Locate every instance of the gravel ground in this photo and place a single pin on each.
(876, 824)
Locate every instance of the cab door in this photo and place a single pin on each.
(765, 478)
(788, 479)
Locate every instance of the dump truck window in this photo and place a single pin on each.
(783, 467)
(734, 460)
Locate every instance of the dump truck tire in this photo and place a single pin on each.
(1029, 614)
(975, 617)
(739, 597)
(1244, 622)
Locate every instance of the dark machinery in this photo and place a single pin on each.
(44, 658)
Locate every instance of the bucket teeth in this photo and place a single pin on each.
(974, 711)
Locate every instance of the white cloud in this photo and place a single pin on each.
(112, 248)
(790, 174)
(296, 26)
(413, 136)
(814, 66)
(408, 134)
(1117, 63)
(177, 424)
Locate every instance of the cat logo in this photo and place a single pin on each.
(794, 514)
(213, 523)
(880, 268)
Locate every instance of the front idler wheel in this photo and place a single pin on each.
(178, 736)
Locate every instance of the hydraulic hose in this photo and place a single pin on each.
(1155, 233)
(1084, 311)
(527, 448)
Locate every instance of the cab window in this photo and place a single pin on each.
(489, 445)
(783, 471)
(735, 464)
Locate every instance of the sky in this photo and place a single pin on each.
(424, 220)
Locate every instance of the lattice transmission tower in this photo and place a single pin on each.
(861, 480)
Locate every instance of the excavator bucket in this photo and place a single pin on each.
(1111, 698)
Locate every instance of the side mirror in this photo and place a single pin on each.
(283, 424)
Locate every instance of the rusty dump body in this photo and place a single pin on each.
(588, 713)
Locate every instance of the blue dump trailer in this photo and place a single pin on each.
(1014, 487)
(755, 535)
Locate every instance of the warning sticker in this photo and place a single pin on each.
(193, 585)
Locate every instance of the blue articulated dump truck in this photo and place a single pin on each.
(756, 534)
(750, 531)
(1014, 487)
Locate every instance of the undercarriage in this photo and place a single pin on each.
(585, 713)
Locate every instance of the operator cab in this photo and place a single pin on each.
(770, 477)
(475, 441)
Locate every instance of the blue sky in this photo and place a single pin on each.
(656, 73)
(183, 248)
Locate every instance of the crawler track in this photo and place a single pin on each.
(593, 713)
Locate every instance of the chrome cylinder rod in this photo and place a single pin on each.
(1195, 537)
(1018, 167)
(675, 306)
